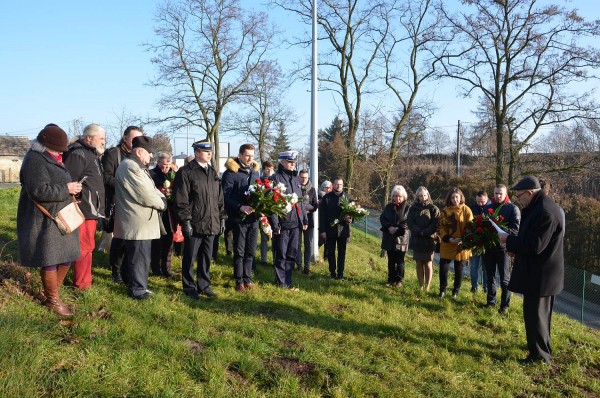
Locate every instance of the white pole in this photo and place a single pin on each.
(314, 139)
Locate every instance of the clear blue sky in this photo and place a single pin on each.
(67, 59)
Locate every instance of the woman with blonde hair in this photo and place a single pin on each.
(422, 222)
(395, 235)
(453, 221)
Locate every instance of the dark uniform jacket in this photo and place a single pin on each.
(297, 216)
(83, 160)
(40, 242)
(236, 180)
(199, 198)
(329, 211)
(512, 217)
(310, 202)
(395, 216)
(423, 222)
(539, 262)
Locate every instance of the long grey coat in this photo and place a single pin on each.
(137, 203)
(40, 242)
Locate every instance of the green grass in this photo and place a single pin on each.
(332, 338)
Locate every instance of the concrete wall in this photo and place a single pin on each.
(9, 168)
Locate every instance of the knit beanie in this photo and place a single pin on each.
(53, 137)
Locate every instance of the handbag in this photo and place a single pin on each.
(68, 219)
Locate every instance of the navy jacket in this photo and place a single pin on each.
(297, 217)
(236, 180)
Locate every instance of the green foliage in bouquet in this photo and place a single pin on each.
(480, 234)
(351, 209)
(268, 200)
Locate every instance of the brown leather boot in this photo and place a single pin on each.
(53, 301)
(61, 273)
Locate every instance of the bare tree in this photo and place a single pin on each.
(122, 120)
(410, 53)
(521, 57)
(162, 142)
(263, 107)
(354, 31)
(75, 129)
(205, 53)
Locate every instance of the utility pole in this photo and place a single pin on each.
(314, 142)
(458, 149)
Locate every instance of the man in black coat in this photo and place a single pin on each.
(286, 229)
(240, 173)
(82, 160)
(110, 162)
(538, 273)
(311, 203)
(495, 258)
(201, 212)
(334, 231)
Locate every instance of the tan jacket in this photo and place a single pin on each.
(453, 222)
(137, 203)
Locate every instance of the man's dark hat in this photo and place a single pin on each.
(527, 182)
(53, 137)
(142, 141)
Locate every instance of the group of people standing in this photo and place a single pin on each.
(144, 210)
(534, 242)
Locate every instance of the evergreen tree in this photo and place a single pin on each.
(337, 127)
(281, 142)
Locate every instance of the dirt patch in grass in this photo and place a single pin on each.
(339, 308)
(233, 371)
(102, 313)
(292, 344)
(293, 366)
(16, 280)
(195, 346)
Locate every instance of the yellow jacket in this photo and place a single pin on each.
(453, 222)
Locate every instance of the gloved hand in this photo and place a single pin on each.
(222, 229)
(400, 231)
(186, 229)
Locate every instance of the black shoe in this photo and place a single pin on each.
(117, 279)
(503, 310)
(531, 360)
(142, 296)
(208, 292)
(454, 296)
(490, 305)
(333, 276)
(473, 290)
(192, 295)
(306, 271)
(442, 295)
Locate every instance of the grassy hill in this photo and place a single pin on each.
(352, 338)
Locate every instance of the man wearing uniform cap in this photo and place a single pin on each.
(201, 212)
(538, 273)
(286, 229)
(137, 204)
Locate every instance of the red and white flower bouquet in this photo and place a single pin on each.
(480, 234)
(267, 200)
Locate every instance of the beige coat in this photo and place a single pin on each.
(137, 203)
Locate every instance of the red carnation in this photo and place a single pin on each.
(258, 181)
(479, 230)
(490, 211)
(500, 218)
(479, 218)
(267, 183)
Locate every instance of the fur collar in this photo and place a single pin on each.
(234, 165)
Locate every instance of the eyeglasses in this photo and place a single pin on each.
(521, 194)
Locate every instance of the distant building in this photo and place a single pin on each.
(12, 151)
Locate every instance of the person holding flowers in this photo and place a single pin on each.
(453, 221)
(201, 212)
(241, 172)
(334, 228)
(395, 235)
(495, 258)
(476, 266)
(286, 228)
(162, 249)
(423, 217)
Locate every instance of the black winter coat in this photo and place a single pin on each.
(169, 219)
(539, 269)
(40, 242)
(110, 162)
(199, 198)
(310, 202)
(329, 211)
(297, 216)
(395, 216)
(423, 224)
(83, 160)
(236, 180)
